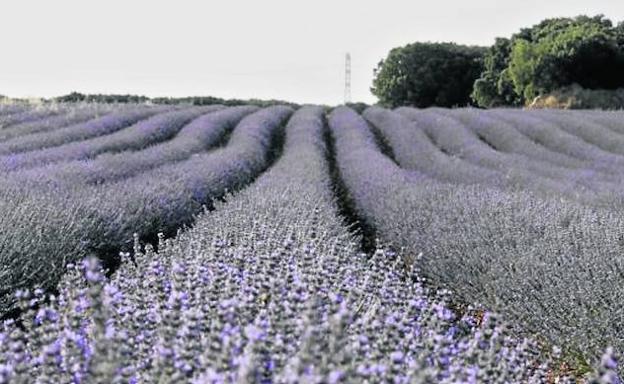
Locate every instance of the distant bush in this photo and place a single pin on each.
(209, 100)
(75, 97)
(588, 51)
(99, 98)
(358, 107)
(577, 97)
(495, 87)
(428, 74)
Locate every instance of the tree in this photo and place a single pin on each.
(495, 87)
(73, 97)
(585, 52)
(551, 55)
(619, 33)
(428, 74)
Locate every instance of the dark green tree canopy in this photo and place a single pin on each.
(427, 74)
(588, 51)
(495, 86)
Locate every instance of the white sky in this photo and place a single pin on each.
(291, 50)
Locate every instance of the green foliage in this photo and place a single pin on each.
(359, 107)
(555, 53)
(210, 100)
(427, 74)
(76, 97)
(495, 87)
(619, 33)
(586, 53)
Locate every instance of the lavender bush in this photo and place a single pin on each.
(10, 108)
(548, 265)
(153, 130)
(413, 149)
(282, 296)
(270, 284)
(199, 135)
(515, 171)
(167, 197)
(525, 170)
(614, 120)
(558, 140)
(591, 132)
(72, 116)
(81, 131)
(70, 223)
(505, 138)
(29, 115)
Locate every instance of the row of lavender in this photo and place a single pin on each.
(511, 150)
(537, 247)
(87, 213)
(14, 123)
(64, 202)
(282, 295)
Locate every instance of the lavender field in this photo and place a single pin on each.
(239, 244)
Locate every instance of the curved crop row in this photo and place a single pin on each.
(614, 120)
(505, 138)
(165, 198)
(515, 172)
(595, 186)
(12, 108)
(49, 228)
(554, 138)
(591, 132)
(553, 267)
(281, 295)
(199, 135)
(146, 132)
(413, 149)
(29, 115)
(73, 116)
(474, 162)
(100, 126)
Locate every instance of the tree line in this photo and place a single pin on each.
(583, 51)
(75, 97)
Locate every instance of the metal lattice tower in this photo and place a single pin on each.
(347, 90)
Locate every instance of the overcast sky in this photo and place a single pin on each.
(284, 49)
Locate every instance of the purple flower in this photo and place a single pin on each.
(253, 333)
(335, 377)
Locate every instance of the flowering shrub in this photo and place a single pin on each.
(165, 198)
(17, 116)
(465, 135)
(77, 114)
(505, 138)
(610, 119)
(549, 265)
(199, 135)
(8, 109)
(147, 132)
(414, 149)
(270, 284)
(591, 132)
(90, 129)
(45, 228)
(553, 137)
(282, 296)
